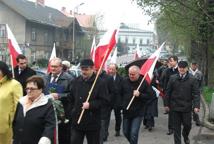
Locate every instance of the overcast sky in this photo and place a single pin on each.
(115, 11)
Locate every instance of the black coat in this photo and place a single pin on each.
(38, 122)
(182, 93)
(166, 75)
(137, 107)
(64, 81)
(23, 76)
(116, 97)
(80, 89)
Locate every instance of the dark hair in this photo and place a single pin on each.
(20, 56)
(5, 70)
(175, 58)
(38, 80)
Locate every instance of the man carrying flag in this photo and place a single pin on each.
(133, 116)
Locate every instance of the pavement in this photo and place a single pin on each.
(198, 135)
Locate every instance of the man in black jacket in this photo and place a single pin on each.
(133, 117)
(182, 94)
(173, 69)
(22, 72)
(89, 125)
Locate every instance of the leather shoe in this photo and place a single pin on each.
(150, 129)
(187, 141)
(169, 132)
(197, 123)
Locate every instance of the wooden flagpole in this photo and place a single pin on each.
(89, 93)
(137, 90)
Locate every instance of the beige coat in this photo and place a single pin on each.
(10, 92)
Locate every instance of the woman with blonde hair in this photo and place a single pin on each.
(10, 92)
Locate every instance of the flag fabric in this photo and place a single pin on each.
(53, 55)
(13, 47)
(105, 46)
(137, 54)
(93, 48)
(149, 65)
(114, 57)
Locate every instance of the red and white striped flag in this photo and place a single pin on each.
(149, 65)
(93, 48)
(137, 54)
(13, 46)
(53, 55)
(105, 46)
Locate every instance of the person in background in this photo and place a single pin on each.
(22, 72)
(199, 76)
(34, 121)
(57, 85)
(66, 68)
(182, 94)
(116, 98)
(171, 70)
(10, 92)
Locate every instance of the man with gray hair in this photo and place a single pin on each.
(133, 117)
(58, 85)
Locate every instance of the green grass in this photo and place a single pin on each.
(207, 93)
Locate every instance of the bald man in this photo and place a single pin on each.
(133, 117)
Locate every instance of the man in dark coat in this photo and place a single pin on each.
(58, 85)
(133, 117)
(182, 94)
(173, 69)
(90, 123)
(116, 97)
(22, 72)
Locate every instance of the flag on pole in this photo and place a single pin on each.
(149, 65)
(137, 54)
(114, 57)
(13, 46)
(105, 46)
(53, 55)
(93, 48)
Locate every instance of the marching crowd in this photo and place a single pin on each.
(65, 109)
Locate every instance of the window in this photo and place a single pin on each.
(33, 34)
(2, 31)
(126, 40)
(148, 42)
(46, 37)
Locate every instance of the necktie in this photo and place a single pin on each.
(54, 79)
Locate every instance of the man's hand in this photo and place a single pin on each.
(166, 108)
(196, 110)
(85, 105)
(136, 93)
(55, 96)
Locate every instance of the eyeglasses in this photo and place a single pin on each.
(31, 89)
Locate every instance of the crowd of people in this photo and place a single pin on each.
(67, 109)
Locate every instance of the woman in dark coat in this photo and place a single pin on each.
(34, 121)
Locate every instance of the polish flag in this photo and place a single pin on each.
(137, 54)
(93, 48)
(149, 65)
(105, 47)
(114, 57)
(53, 55)
(13, 46)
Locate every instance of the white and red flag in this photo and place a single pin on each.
(148, 67)
(13, 47)
(93, 48)
(53, 55)
(137, 54)
(105, 46)
(114, 56)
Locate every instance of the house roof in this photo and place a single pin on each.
(86, 21)
(38, 13)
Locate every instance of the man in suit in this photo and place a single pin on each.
(61, 81)
(22, 72)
